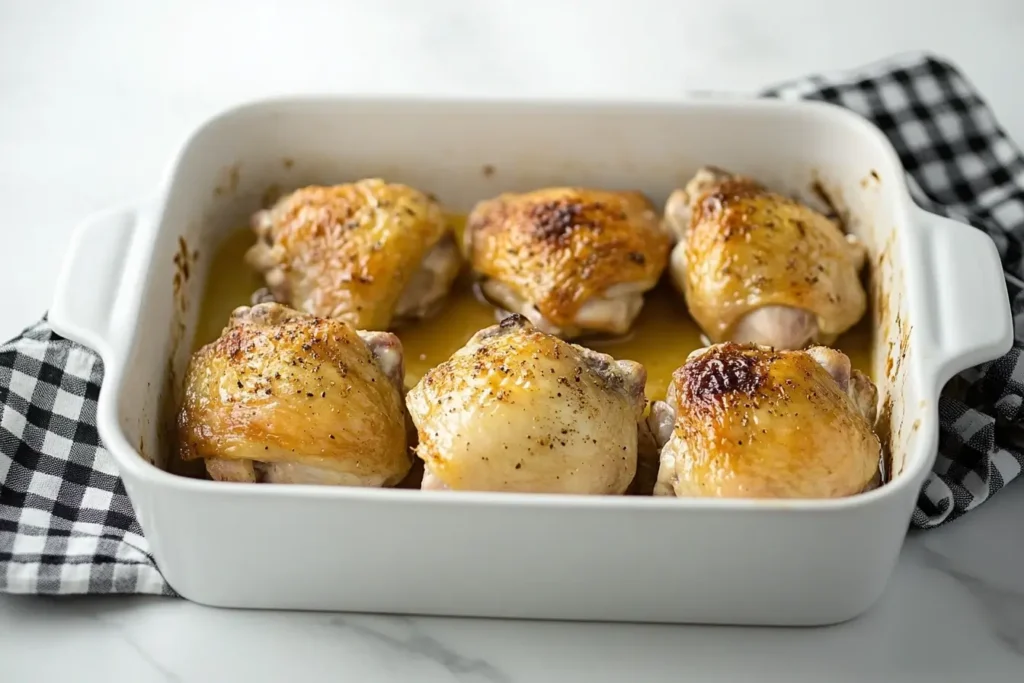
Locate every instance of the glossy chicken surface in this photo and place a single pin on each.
(519, 410)
(285, 397)
(573, 261)
(756, 266)
(747, 421)
(371, 253)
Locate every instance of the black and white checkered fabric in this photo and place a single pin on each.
(66, 525)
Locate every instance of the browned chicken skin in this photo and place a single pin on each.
(759, 267)
(519, 410)
(285, 397)
(571, 260)
(370, 253)
(747, 421)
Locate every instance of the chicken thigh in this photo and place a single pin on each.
(748, 421)
(371, 253)
(517, 409)
(759, 267)
(572, 261)
(286, 397)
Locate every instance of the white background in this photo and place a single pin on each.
(94, 99)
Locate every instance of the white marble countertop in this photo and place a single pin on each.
(95, 98)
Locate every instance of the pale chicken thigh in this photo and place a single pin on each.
(285, 397)
(573, 261)
(517, 409)
(371, 253)
(755, 266)
(748, 421)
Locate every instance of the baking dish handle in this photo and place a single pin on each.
(971, 318)
(90, 278)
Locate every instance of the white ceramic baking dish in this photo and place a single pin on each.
(133, 278)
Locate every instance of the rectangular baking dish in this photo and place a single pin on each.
(134, 275)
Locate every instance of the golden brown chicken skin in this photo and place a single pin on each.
(371, 253)
(285, 397)
(756, 266)
(571, 260)
(517, 409)
(747, 421)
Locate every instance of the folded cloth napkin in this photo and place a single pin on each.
(66, 525)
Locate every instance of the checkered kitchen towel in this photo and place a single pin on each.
(66, 525)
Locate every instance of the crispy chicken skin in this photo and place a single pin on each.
(756, 266)
(571, 260)
(370, 253)
(286, 397)
(519, 410)
(747, 421)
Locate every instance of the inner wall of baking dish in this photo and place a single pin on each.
(464, 152)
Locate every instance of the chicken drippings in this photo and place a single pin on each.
(661, 339)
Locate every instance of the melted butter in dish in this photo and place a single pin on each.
(661, 339)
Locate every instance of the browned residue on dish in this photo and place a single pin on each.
(888, 431)
(288, 163)
(181, 264)
(880, 299)
(270, 195)
(488, 170)
(897, 349)
(881, 302)
(883, 429)
(833, 203)
(872, 179)
(168, 409)
(185, 260)
(894, 342)
(229, 185)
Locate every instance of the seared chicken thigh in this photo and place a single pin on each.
(371, 253)
(571, 260)
(517, 409)
(747, 421)
(759, 267)
(286, 397)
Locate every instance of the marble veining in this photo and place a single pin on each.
(1004, 609)
(124, 635)
(411, 641)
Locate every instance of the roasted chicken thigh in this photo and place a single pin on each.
(756, 266)
(286, 397)
(748, 421)
(573, 261)
(517, 409)
(371, 253)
